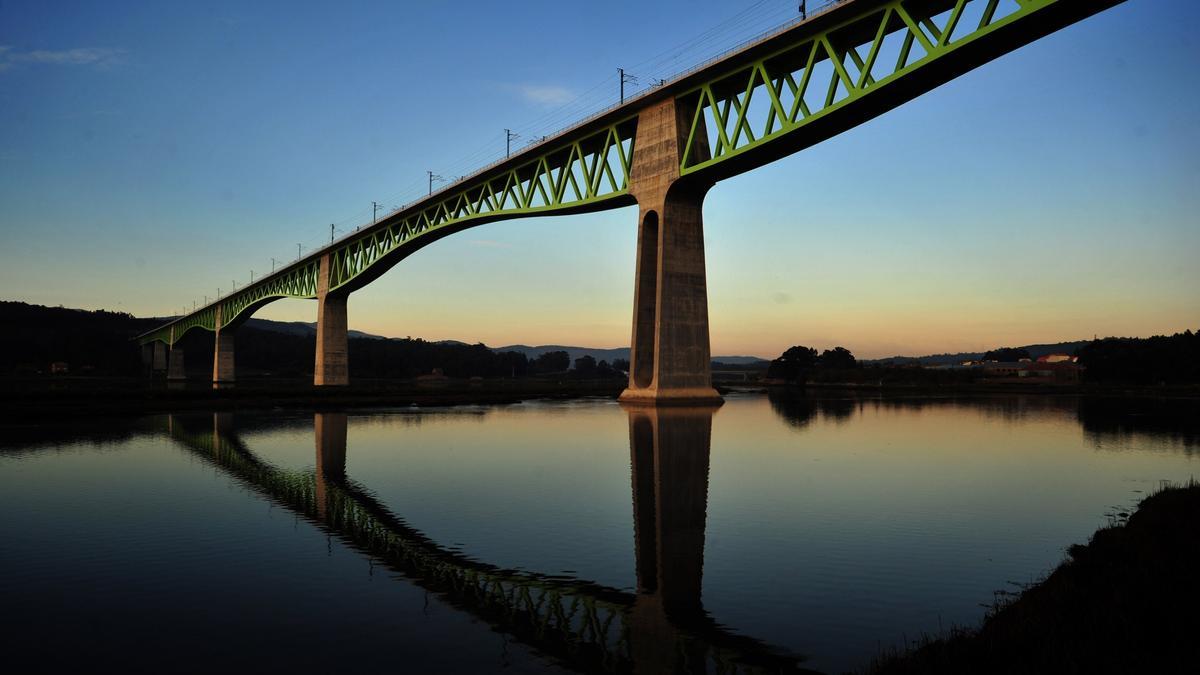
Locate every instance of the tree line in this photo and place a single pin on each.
(1162, 359)
(102, 343)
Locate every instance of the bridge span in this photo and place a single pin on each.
(662, 150)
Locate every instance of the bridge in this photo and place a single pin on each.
(662, 151)
(659, 629)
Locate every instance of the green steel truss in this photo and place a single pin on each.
(578, 174)
(582, 623)
(853, 56)
(588, 172)
(296, 281)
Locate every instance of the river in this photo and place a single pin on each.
(777, 533)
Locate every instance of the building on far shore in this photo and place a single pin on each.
(1057, 358)
(1062, 372)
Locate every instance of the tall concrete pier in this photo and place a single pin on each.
(176, 371)
(332, 367)
(223, 363)
(669, 359)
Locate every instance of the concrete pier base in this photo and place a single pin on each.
(332, 366)
(670, 361)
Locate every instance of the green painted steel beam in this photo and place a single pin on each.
(812, 82)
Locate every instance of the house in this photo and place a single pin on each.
(1057, 358)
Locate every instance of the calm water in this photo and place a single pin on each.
(773, 534)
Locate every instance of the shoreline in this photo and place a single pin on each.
(38, 398)
(1122, 603)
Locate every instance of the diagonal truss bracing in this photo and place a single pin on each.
(576, 174)
(854, 56)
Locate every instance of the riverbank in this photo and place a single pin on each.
(32, 399)
(36, 398)
(1123, 603)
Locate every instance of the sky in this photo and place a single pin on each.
(153, 152)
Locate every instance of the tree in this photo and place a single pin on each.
(1006, 354)
(552, 362)
(794, 365)
(838, 358)
(585, 366)
(621, 365)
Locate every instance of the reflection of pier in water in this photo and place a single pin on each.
(660, 629)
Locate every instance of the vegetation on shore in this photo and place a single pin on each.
(1123, 603)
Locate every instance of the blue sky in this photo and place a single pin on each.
(153, 152)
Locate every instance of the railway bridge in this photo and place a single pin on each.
(662, 150)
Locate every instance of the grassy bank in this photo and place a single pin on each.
(1124, 603)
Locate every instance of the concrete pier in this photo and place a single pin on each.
(175, 365)
(223, 361)
(670, 360)
(159, 359)
(332, 368)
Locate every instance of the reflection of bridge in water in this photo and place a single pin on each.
(660, 629)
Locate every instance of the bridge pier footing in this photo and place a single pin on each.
(332, 367)
(670, 361)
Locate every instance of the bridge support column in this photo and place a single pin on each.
(159, 358)
(175, 367)
(332, 367)
(223, 363)
(669, 360)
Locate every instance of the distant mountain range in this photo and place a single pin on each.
(611, 354)
(300, 328)
(305, 329)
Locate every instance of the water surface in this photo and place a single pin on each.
(775, 533)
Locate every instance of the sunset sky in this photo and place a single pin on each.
(153, 152)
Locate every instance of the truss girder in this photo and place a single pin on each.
(830, 71)
(297, 281)
(576, 174)
(769, 100)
